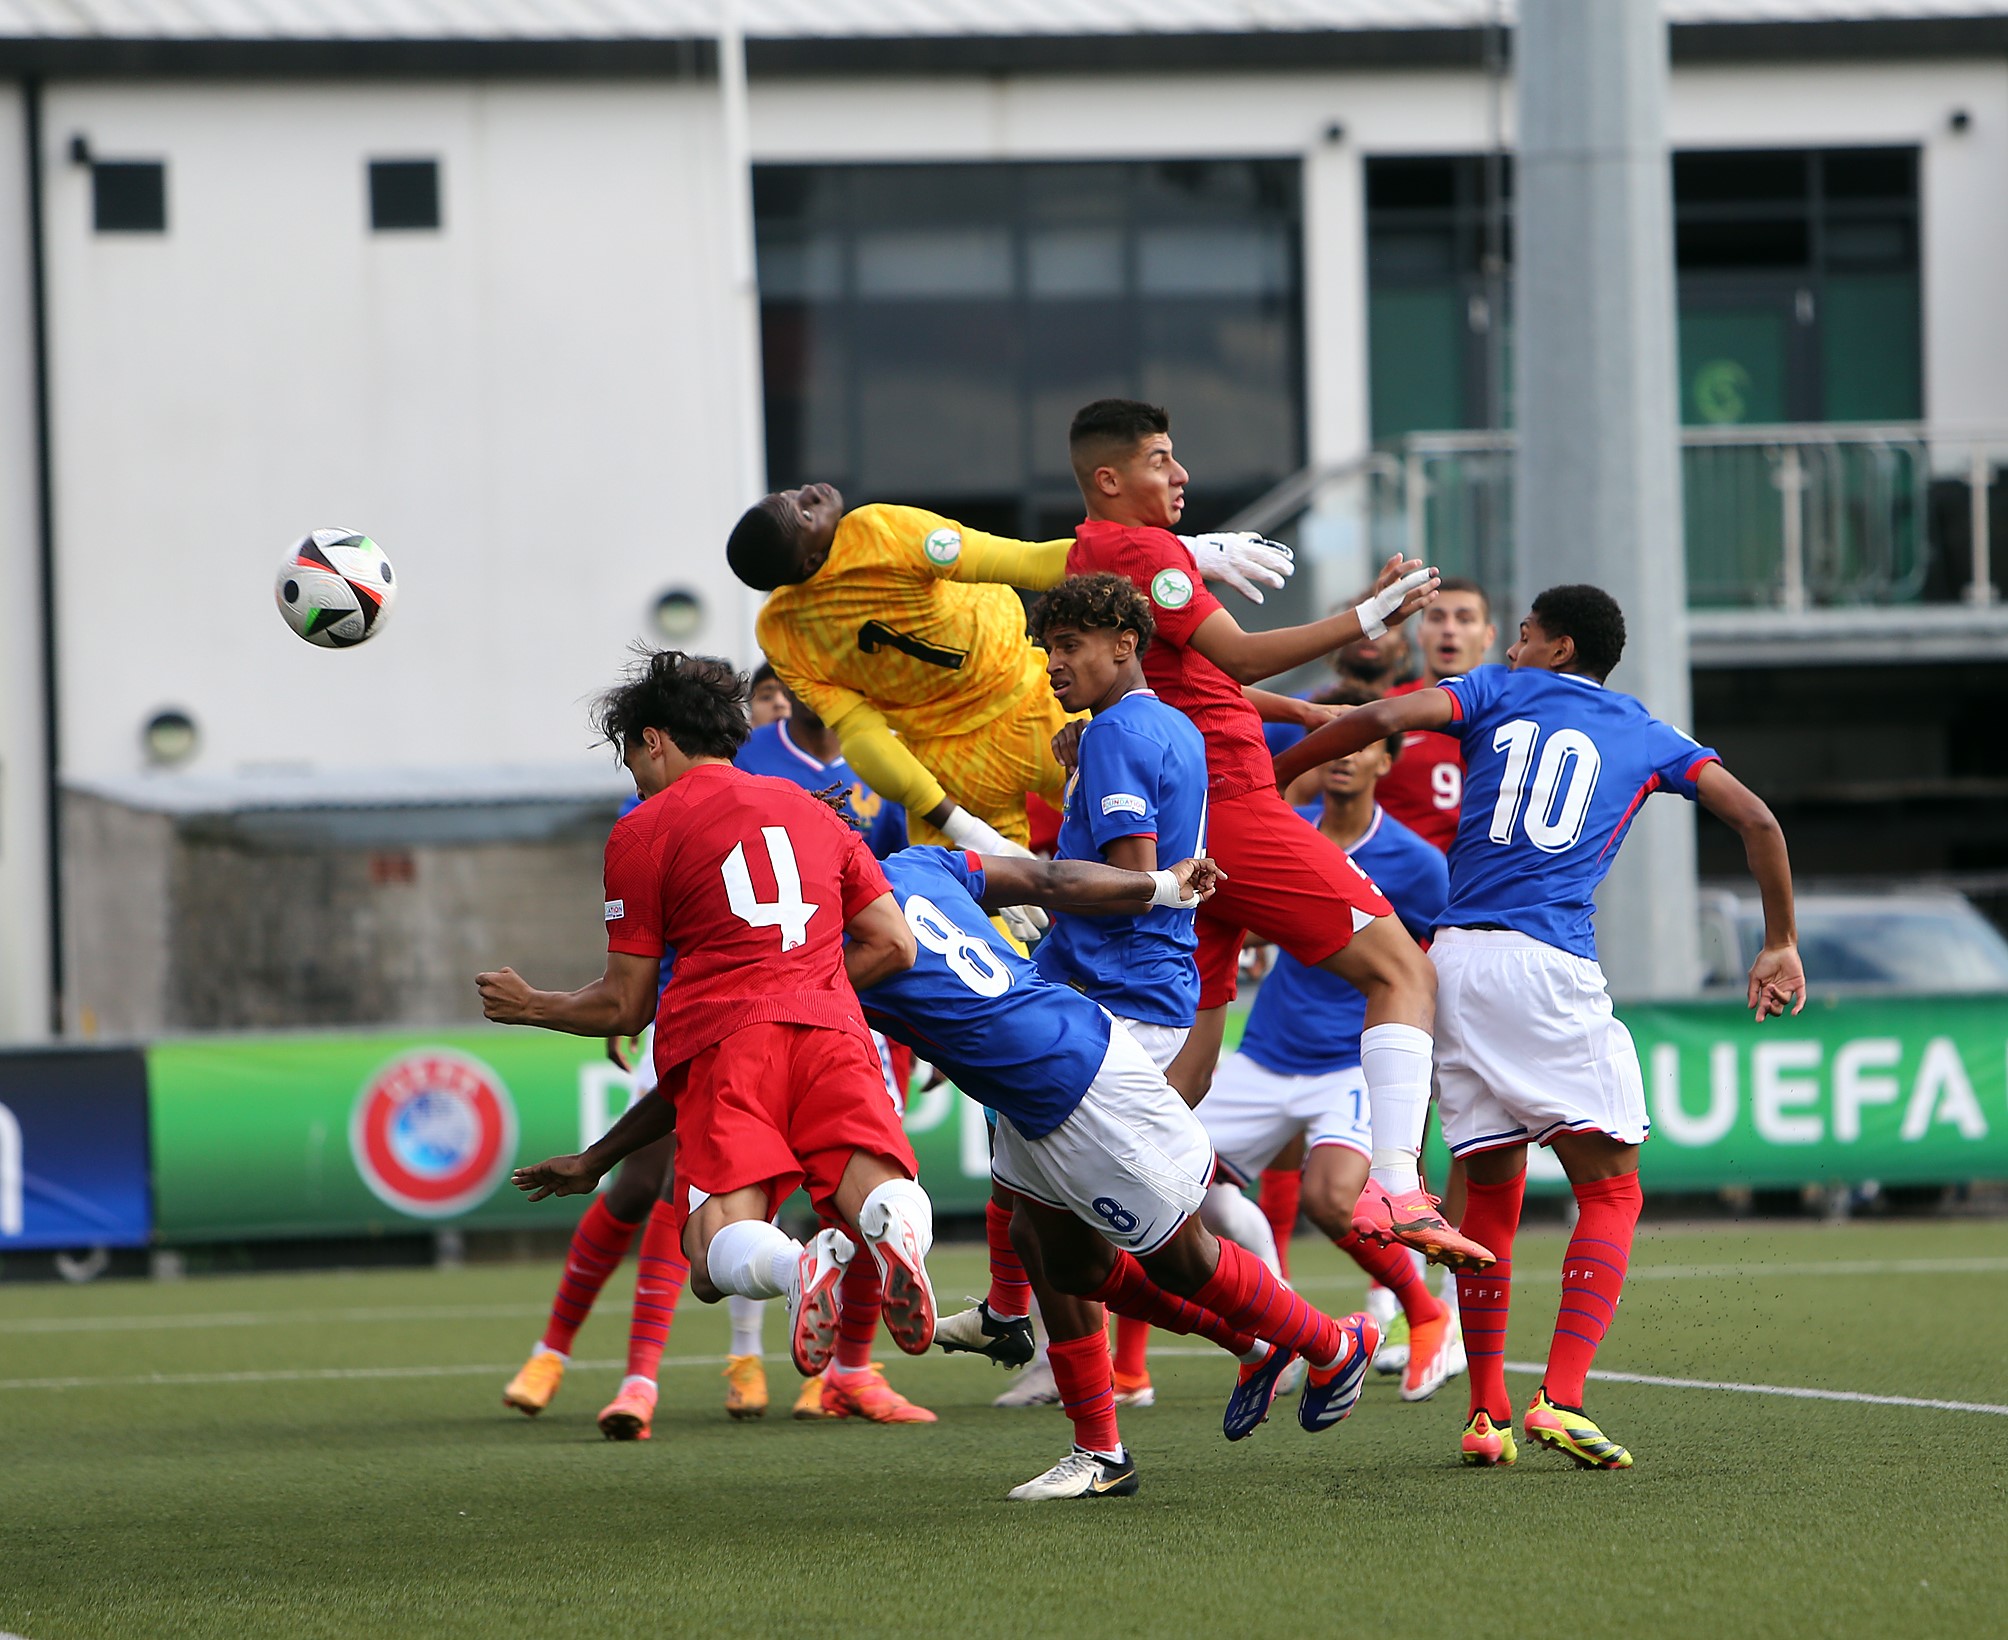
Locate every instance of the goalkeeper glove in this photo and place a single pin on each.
(1241, 560)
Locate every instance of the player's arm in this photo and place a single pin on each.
(883, 762)
(879, 945)
(1083, 887)
(1275, 708)
(642, 1123)
(1776, 977)
(1249, 657)
(1037, 566)
(620, 1002)
(1362, 726)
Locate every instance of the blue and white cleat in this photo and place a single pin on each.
(1248, 1406)
(1331, 1393)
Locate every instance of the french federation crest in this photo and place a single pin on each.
(432, 1133)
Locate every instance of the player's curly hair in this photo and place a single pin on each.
(1351, 694)
(1591, 616)
(699, 701)
(1096, 603)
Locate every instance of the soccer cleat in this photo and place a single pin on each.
(1331, 1393)
(809, 1403)
(977, 1332)
(868, 1395)
(530, 1391)
(909, 1314)
(1567, 1431)
(1428, 1359)
(1412, 1220)
(813, 1308)
(1034, 1387)
(1134, 1391)
(628, 1415)
(1487, 1445)
(1456, 1362)
(1248, 1406)
(1291, 1378)
(1392, 1356)
(745, 1387)
(1080, 1474)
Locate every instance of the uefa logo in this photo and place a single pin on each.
(433, 1132)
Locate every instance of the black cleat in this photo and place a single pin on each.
(978, 1332)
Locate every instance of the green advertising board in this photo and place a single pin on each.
(338, 1134)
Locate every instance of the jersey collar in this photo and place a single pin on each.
(781, 724)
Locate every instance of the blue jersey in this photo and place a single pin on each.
(1555, 766)
(769, 750)
(1307, 1022)
(1011, 1039)
(1141, 773)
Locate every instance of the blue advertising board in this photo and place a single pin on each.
(73, 1149)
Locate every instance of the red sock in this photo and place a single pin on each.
(1132, 1348)
(1396, 1271)
(1593, 1275)
(860, 1298)
(1010, 1292)
(598, 1245)
(1282, 1198)
(658, 1284)
(1087, 1390)
(1242, 1292)
(1491, 1215)
(1130, 1293)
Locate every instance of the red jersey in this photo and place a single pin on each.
(750, 881)
(1237, 757)
(1425, 788)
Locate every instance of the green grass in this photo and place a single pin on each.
(415, 1506)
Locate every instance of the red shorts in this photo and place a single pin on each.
(1286, 882)
(783, 1106)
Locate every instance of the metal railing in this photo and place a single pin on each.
(1794, 518)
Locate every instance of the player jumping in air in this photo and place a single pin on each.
(1293, 888)
(1528, 1050)
(769, 1077)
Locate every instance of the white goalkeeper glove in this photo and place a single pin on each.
(965, 830)
(1375, 613)
(1241, 560)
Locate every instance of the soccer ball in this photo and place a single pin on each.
(335, 588)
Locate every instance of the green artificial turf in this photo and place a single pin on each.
(386, 1505)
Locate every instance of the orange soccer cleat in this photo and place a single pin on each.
(868, 1395)
(629, 1414)
(530, 1391)
(1412, 1220)
(809, 1404)
(745, 1387)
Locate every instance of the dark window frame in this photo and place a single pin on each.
(129, 196)
(406, 194)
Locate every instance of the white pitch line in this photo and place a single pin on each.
(267, 1318)
(1792, 1391)
(1726, 1272)
(299, 1375)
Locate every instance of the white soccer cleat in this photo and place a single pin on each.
(1291, 1378)
(1034, 1387)
(909, 1311)
(812, 1306)
(1080, 1474)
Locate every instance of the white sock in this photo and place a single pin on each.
(753, 1258)
(636, 1378)
(900, 1199)
(1446, 1292)
(1228, 1212)
(1259, 1353)
(747, 1314)
(1396, 1062)
(545, 1349)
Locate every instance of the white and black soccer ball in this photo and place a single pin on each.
(336, 588)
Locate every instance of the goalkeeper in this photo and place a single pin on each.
(892, 624)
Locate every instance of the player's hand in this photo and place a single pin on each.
(1026, 922)
(560, 1176)
(1404, 586)
(1776, 979)
(1198, 878)
(505, 996)
(1067, 745)
(622, 1049)
(1241, 559)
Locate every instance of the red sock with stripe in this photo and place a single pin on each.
(1087, 1390)
(1396, 1271)
(860, 1298)
(1132, 1351)
(1282, 1199)
(1010, 1293)
(598, 1246)
(1593, 1276)
(1243, 1293)
(1131, 1295)
(658, 1284)
(1491, 1216)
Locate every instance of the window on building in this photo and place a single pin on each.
(404, 194)
(930, 330)
(129, 196)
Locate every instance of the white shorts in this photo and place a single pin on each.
(1161, 1042)
(1527, 1045)
(1252, 1112)
(1132, 1159)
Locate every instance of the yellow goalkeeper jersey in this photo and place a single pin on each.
(906, 616)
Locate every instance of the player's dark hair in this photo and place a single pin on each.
(1351, 694)
(1589, 615)
(1096, 603)
(1108, 429)
(761, 551)
(1464, 583)
(763, 673)
(699, 701)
